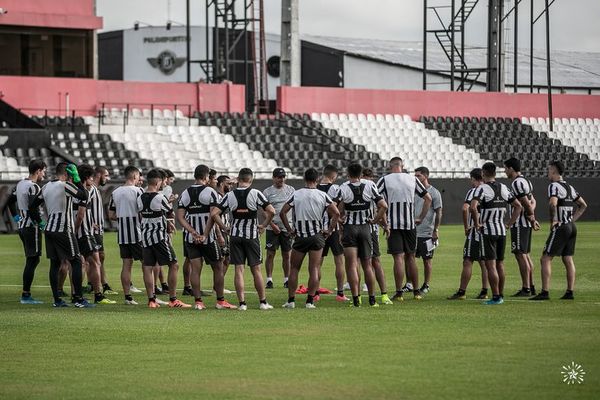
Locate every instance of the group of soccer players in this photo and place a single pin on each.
(220, 221)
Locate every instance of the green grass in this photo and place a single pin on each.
(433, 349)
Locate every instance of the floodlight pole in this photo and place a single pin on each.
(424, 44)
(531, 51)
(548, 71)
(516, 46)
(187, 39)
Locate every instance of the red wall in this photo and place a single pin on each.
(417, 103)
(36, 94)
(73, 14)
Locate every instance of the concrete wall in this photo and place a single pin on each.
(73, 14)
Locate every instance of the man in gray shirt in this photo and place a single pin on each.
(278, 194)
(428, 229)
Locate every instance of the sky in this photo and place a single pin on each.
(574, 23)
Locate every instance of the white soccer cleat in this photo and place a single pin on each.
(364, 288)
(161, 302)
(346, 286)
(265, 306)
(310, 306)
(133, 289)
(131, 303)
(289, 305)
(243, 307)
(227, 291)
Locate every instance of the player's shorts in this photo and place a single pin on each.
(422, 249)
(245, 251)
(472, 247)
(375, 240)
(161, 253)
(31, 237)
(520, 239)
(99, 238)
(211, 252)
(402, 241)
(87, 245)
(333, 242)
(493, 247)
(358, 236)
(311, 243)
(61, 246)
(131, 250)
(561, 241)
(274, 240)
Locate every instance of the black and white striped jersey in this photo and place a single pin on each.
(522, 187)
(25, 191)
(567, 196)
(399, 189)
(154, 208)
(308, 208)
(86, 227)
(357, 198)
(243, 204)
(333, 191)
(58, 197)
(494, 198)
(97, 210)
(123, 201)
(372, 213)
(468, 199)
(197, 201)
(226, 216)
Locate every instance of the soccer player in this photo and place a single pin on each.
(429, 228)
(493, 198)
(399, 189)
(160, 285)
(277, 236)
(472, 247)
(376, 258)
(356, 196)
(333, 241)
(123, 209)
(520, 232)
(566, 207)
(29, 231)
(85, 234)
(101, 178)
(308, 205)
(61, 243)
(224, 183)
(157, 222)
(193, 212)
(243, 202)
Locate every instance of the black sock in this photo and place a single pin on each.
(173, 298)
(77, 277)
(383, 293)
(152, 299)
(187, 288)
(25, 294)
(106, 286)
(198, 299)
(371, 300)
(263, 301)
(356, 300)
(525, 289)
(128, 297)
(496, 297)
(242, 303)
(544, 292)
(28, 273)
(98, 296)
(164, 286)
(291, 299)
(501, 294)
(569, 291)
(399, 292)
(461, 292)
(484, 290)
(220, 298)
(340, 293)
(53, 276)
(309, 299)
(416, 292)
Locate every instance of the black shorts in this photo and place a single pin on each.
(87, 245)
(333, 242)
(493, 247)
(422, 249)
(99, 238)
(61, 246)
(375, 240)
(210, 252)
(472, 247)
(131, 250)
(161, 254)
(31, 237)
(274, 240)
(561, 241)
(245, 251)
(402, 241)
(312, 243)
(520, 239)
(359, 236)
(185, 250)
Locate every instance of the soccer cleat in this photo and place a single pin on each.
(364, 288)
(398, 297)
(265, 306)
(492, 302)
(242, 307)
(374, 305)
(532, 290)
(346, 286)
(83, 303)
(483, 295)
(418, 296)
(131, 302)
(227, 291)
(61, 293)
(540, 296)
(385, 299)
(407, 288)
(568, 296)
(522, 293)
(133, 289)
(324, 291)
(162, 302)
(285, 284)
(164, 287)
(187, 291)
(110, 291)
(60, 303)
(269, 285)
(224, 304)
(158, 291)
(425, 289)
(30, 300)
(341, 299)
(310, 306)
(290, 305)
(457, 296)
(199, 306)
(153, 304)
(106, 300)
(302, 289)
(206, 293)
(179, 304)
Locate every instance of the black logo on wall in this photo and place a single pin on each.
(167, 62)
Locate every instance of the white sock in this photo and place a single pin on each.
(269, 279)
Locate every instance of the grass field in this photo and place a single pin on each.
(432, 349)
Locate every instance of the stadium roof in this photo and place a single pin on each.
(569, 68)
